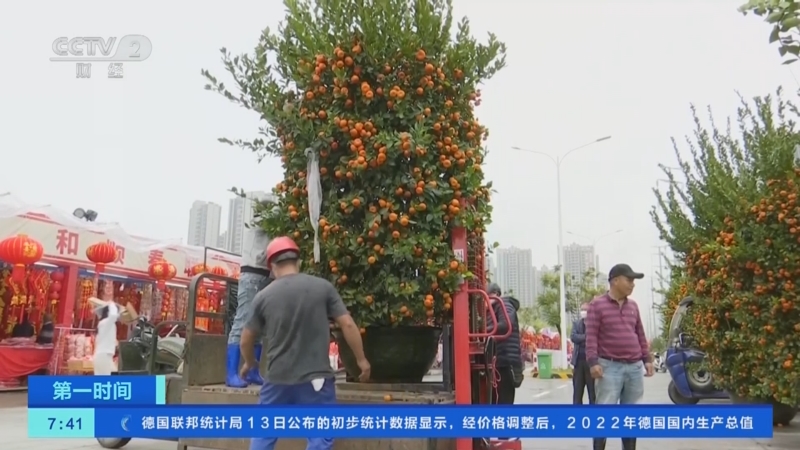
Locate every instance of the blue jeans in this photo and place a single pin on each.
(622, 383)
(249, 285)
(296, 394)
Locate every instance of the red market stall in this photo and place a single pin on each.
(23, 300)
(533, 341)
(78, 260)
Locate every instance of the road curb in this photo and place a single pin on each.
(561, 375)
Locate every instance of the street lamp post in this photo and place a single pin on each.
(594, 248)
(557, 160)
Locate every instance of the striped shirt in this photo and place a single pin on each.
(614, 331)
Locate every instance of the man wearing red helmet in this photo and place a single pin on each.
(293, 314)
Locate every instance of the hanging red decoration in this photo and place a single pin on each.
(221, 271)
(101, 254)
(215, 305)
(166, 305)
(20, 251)
(57, 276)
(202, 306)
(197, 269)
(162, 271)
(55, 293)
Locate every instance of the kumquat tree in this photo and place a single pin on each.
(370, 106)
(676, 290)
(733, 221)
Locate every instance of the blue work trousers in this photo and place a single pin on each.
(296, 394)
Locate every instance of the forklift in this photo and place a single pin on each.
(468, 357)
(472, 348)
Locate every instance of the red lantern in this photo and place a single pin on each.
(162, 271)
(101, 254)
(20, 250)
(221, 271)
(55, 292)
(197, 269)
(57, 276)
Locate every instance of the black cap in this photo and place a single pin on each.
(624, 270)
(494, 289)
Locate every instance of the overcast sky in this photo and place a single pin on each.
(139, 150)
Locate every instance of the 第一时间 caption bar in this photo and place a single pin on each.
(95, 391)
(361, 421)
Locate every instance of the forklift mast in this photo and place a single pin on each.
(473, 347)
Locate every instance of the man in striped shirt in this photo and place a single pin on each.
(616, 346)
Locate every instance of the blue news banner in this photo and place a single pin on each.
(117, 406)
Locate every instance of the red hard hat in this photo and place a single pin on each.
(279, 246)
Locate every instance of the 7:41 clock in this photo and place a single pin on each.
(60, 423)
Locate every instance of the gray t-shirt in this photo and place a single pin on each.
(292, 314)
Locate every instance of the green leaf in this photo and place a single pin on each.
(775, 17)
(790, 22)
(775, 35)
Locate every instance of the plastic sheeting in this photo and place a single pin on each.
(12, 207)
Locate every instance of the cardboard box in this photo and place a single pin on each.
(74, 365)
(127, 314)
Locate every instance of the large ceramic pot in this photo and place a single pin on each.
(395, 354)
(781, 414)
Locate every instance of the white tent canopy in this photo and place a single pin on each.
(66, 237)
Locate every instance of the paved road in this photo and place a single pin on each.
(13, 425)
(560, 392)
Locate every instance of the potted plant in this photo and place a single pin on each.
(733, 225)
(370, 108)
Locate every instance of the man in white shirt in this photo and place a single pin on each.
(105, 343)
(254, 276)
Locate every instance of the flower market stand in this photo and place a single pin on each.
(70, 261)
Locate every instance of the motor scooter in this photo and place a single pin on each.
(690, 382)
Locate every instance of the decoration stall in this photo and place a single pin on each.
(52, 262)
(546, 339)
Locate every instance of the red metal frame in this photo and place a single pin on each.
(461, 344)
(468, 343)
